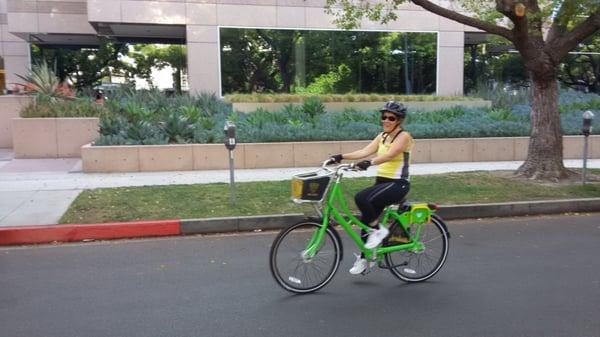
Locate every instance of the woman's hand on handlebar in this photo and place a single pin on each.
(335, 159)
(363, 165)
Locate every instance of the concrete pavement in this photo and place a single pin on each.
(39, 191)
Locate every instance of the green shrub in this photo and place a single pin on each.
(145, 133)
(59, 108)
(113, 125)
(151, 117)
(106, 140)
(136, 119)
(313, 106)
(591, 104)
(177, 128)
(337, 81)
(433, 117)
(500, 96)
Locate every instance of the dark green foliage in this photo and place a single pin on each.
(319, 62)
(572, 122)
(313, 106)
(177, 128)
(151, 119)
(432, 117)
(145, 133)
(113, 125)
(352, 115)
(85, 67)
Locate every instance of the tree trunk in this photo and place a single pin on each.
(545, 155)
(285, 76)
(177, 80)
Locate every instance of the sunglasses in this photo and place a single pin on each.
(389, 118)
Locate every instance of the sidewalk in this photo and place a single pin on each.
(39, 191)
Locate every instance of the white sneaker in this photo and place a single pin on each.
(376, 236)
(360, 265)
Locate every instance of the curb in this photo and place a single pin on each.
(520, 208)
(120, 230)
(74, 232)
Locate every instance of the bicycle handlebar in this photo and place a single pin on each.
(340, 167)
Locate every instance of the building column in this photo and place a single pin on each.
(450, 63)
(15, 53)
(203, 56)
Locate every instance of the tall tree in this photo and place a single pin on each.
(84, 67)
(281, 44)
(150, 56)
(542, 31)
(246, 66)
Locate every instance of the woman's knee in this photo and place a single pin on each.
(361, 197)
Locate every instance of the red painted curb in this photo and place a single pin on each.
(74, 232)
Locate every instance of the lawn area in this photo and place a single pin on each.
(260, 198)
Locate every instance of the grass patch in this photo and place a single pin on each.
(258, 198)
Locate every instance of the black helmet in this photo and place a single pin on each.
(394, 107)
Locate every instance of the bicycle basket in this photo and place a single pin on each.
(310, 186)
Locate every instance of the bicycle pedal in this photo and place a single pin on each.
(370, 266)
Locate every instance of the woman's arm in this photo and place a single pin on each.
(397, 147)
(364, 152)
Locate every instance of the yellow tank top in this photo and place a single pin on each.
(397, 167)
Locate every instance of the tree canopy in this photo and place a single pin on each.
(542, 31)
(149, 56)
(85, 67)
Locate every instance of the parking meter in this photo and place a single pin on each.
(229, 131)
(588, 116)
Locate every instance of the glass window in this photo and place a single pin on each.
(317, 61)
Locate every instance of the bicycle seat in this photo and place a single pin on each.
(402, 204)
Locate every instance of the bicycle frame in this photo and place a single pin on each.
(335, 202)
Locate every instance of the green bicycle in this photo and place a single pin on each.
(305, 256)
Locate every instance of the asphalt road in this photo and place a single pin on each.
(535, 276)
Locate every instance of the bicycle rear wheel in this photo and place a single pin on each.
(420, 264)
(294, 270)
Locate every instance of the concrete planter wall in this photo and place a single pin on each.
(10, 106)
(365, 106)
(52, 137)
(272, 155)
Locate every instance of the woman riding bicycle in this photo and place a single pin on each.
(392, 148)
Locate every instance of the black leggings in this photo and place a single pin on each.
(372, 200)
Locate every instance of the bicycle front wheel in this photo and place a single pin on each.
(424, 261)
(297, 271)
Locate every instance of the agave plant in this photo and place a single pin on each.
(43, 83)
(177, 128)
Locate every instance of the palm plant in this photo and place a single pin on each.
(43, 83)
